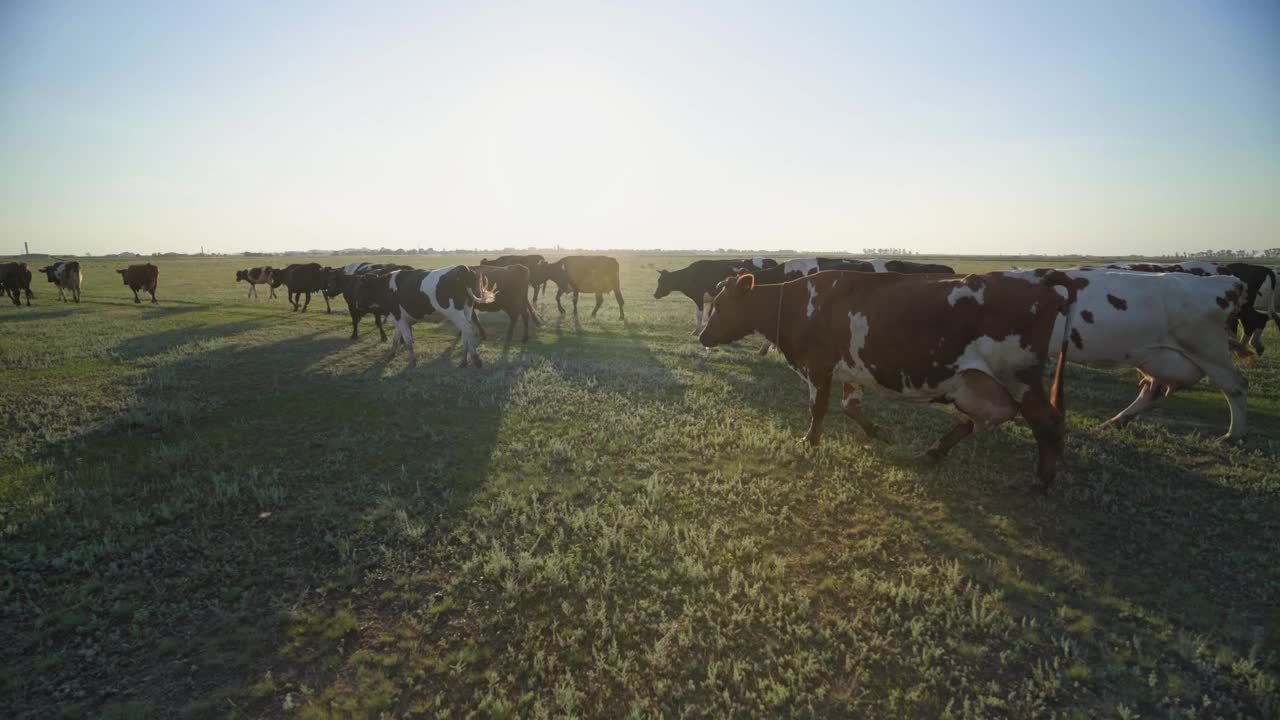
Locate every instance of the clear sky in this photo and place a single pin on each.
(958, 127)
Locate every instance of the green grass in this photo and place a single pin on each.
(217, 508)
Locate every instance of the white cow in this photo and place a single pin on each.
(1172, 327)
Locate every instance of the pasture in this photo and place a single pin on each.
(214, 507)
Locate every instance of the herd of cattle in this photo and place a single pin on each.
(917, 332)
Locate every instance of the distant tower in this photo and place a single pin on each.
(25, 250)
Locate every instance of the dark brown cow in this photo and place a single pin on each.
(255, 277)
(15, 278)
(511, 289)
(538, 269)
(978, 342)
(300, 279)
(141, 277)
(596, 274)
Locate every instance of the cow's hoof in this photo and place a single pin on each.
(137, 302)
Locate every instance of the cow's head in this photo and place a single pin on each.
(666, 281)
(539, 272)
(372, 289)
(124, 276)
(558, 274)
(242, 275)
(336, 282)
(51, 272)
(277, 277)
(728, 318)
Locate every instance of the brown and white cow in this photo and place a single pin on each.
(1172, 327)
(141, 277)
(15, 278)
(596, 274)
(978, 342)
(255, 277)
(800, 267)
(66, 275)
(1260, 297)
(511, 295)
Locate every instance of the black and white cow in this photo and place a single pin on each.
(256, 276)
(698, 280)
(1259, 301)
(411, 295)
(1171, 327)
(342, 281)
(66, 275)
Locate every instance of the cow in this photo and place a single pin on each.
(300, 279)
(411, 295)
(15, 278)
(257, 276)
(596, 274)
(1171, 327)
(978, 342)
(697, 280)
(536, 264)
(141, 277)
(908, 266)
(342, 281)
(1259, 301)
(66, 275)
(801, 267)
(511, 295)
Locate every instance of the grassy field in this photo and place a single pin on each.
(214, 507)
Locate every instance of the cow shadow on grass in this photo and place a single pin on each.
(20, 317)
(244, 482)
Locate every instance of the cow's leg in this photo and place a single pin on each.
(475, 318)
(62, 295)
(819, 396)
(271, 295)
(136, 299)
(396, 336)
(250, 293)
(1149, 392)
(559, 292)
(306, 304)
(327, 310)
(1235, 387)
(851, 401)
(1048, 428)
(355, 324)
(377, 320)
(511, 326)
(599, 302)
(697, 320)
(617, 295)
(575, 303)
(943, 445)
(462, 320)
(152, 290)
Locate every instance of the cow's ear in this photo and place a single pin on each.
(746, 282)
(662, 272)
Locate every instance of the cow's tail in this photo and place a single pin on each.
(1057, 278)
(533, 312)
